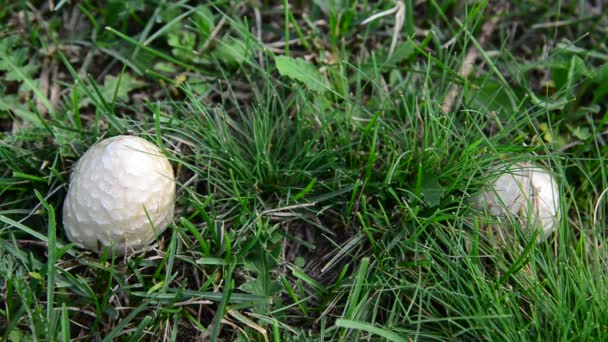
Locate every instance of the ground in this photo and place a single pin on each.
(327, 157)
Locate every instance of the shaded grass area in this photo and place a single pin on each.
(323, 194)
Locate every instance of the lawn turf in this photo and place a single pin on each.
(326, 159)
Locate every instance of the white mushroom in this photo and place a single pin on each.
(121, 195)
(527, 192)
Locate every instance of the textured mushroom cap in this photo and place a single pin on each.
(527, 191)
(117, 189)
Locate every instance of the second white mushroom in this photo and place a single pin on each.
(526, 191)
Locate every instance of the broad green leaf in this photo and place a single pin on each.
(261, 262)
(125, 83)
(580, 132)
(431, 190)
(261, 286)
(165, 67)
(10, 103)
(601, 80)
(204, 22)
(302, 71)
(549, 103)
(489, 96)
(231, 51)
(183, 45)
(18, 67)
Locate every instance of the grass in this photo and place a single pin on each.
(323, 193)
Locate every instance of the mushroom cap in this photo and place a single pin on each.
(526, 191)
(121, 195)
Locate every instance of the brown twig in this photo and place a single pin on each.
(43, 86)
(258, 33)
(399, 12)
